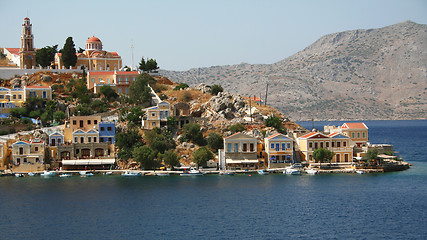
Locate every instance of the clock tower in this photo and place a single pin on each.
(27, 53)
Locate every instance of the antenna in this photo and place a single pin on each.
(266, 92)
(131, 47)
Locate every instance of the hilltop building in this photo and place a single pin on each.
(16, 97)
(120, 81)
(93, 58)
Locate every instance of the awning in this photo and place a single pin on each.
(89, 162)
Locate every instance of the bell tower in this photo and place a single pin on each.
(27, 53)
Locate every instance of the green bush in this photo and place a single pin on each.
(215, 89)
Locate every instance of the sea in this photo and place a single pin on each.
(248, 206)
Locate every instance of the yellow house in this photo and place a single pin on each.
(84, 123)
(17, 96)
(240, 151)
(279, 150)
(340, 145)
(28, 152)
(44, 92)
(312, 141)
(120, 81)
(357, 132)
(93, 58)
(156, 116)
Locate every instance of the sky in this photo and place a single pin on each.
(198, 33)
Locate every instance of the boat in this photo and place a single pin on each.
(360, 171)
(66, 175)
(85, 173)
(108, 173)
(228, 173)
(263, 172)
(311, 171)
(162, 174)
(192, 172)
(131, 174)
(31, 174)
(47, 174)
(294, 169)
(19, 175)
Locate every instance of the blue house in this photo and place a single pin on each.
(56, 139)
(107, 132)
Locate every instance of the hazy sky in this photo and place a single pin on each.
(188, 34)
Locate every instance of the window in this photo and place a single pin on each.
(82, 139)
(74, 122)
(108, 81)
(44, 94)
(94, 139)
(100, 79)
(272, 146)
(19, 96)
(251, 147)
(337, 157)
(153, 124)
(283, 146)
(327, 144)
(110, 140)
(89, 139)
(75, 139)
(321, 144)
(277, 147)
(228, 147)
(338, 144)
(310, 145)
(358, 135)
(21, 151)
(153, 114)
(1, 96)
(345, 157)
(352, 135)
(93, 80)
(245, 147)
(101, 139)
(25, 160)
(236, 147)
(363, 135)
(120, 80)
(102, 128)
(59, 141)
(109, 128)
(344, 143)
(81, 123)
(315, 145)
(36, 149)
(289, 145)
(37, 159)
(333, 144)
(89, 122)
(95, 122)
(127, 80)
(14, 96)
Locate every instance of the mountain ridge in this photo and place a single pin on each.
(357, 74)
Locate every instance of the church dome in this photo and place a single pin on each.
(93, 43)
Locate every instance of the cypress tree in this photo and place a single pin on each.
(69, 57)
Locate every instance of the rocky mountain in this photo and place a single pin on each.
(360, 74)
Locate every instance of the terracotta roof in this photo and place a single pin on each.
(127, 73)
(333, 134)
(233, 135)
(14, 50)
(312, 134)
(114, 53)
(101, 73)
(354, 125)
(257, 99)
(272, 136)
(26, 18)
(37, 86)
(93, 39)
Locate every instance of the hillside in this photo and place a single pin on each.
(360, 74)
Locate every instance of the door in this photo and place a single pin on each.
(53, 142)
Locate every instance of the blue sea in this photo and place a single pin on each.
(330, 206)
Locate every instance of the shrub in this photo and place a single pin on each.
(202, 155)
(238, 127)
(181, 86)
(185, 96)
(215, 89)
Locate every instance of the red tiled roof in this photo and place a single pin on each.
(233, 135)
(354, 125)
(101, 73)
(93, 39)
(257, 99)
(127, 73)
(312, 134)
(114, 53)
(14, 50)
(37, 86)
(272, 136)
(333, 134)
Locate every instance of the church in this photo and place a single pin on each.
(93, 58)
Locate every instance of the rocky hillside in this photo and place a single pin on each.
(359, 74)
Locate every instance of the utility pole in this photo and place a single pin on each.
(250, 108)
(131, 47)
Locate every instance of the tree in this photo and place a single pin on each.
(69, 57)
(185, 96)
(45, 56)
(371, 155)
(215, 89)
(59, 116)
(170, 158)
(139, 91)
(151, 65)
(109, 93)
(181, 86)
(323, 155)
(126, 142)
(134, 115)
(172, 124)
(238, 127)
(145, 156)
(202, 155)
(215, 141)
(191, 132)
(142, 64)
(273, 121)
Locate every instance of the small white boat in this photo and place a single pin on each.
(64, 175)
(360, 172)
(19, 175)
(107, 173)
(162, 174)
(311, 171)
(47, 174)
(85, 173)
(228, 173)
(263, 172)
(292, 171)
(192, 172)
(31, 174)
(131, 174)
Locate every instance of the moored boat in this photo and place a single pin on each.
(19, 175)
(162, 174)
(294, 169)
(228, 173)
(86, 173)
(131, 174)
(64, 175)
(108, 173)
(192, 172)
(311, 171)
(47, 174)
(360, 171)
(263, 172)
(31, 174)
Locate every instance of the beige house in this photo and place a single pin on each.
(120, 81)
(240, 151)
(279, 150)
(84, 123)
(28, 152)
(156, 116)
(340, 145)
(44, 92)
(312, 141)
(357, 132)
